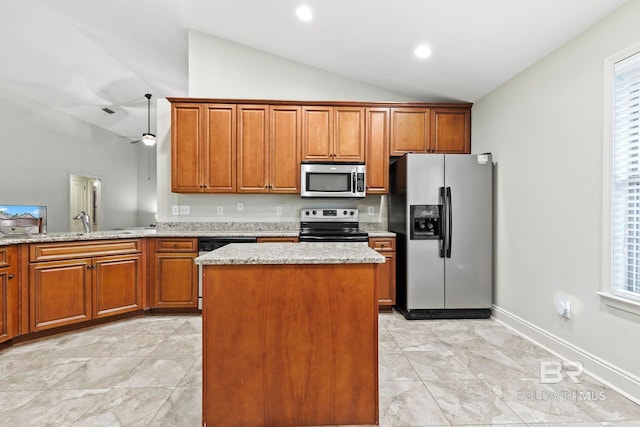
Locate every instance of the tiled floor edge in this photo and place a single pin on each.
(618, 379)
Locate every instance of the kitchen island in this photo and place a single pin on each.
(290, 334)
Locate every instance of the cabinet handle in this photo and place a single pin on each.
(10, 276)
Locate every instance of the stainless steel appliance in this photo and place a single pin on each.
(330, 225)
(332, 179)
(440, 207)
(208, 244)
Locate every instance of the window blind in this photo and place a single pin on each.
(626, 179)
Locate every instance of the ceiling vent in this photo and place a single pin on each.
(108, 110)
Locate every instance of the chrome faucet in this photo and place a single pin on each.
(86, 222)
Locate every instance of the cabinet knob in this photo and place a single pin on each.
(11, 276)
(175, 245)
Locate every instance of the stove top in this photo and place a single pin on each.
(330, 225)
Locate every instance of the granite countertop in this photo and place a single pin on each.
(292, 253)
(138, 233)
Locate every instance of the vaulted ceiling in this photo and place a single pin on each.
(80, 56)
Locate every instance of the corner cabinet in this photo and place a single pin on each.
(203, 148)
(79, 281)
(386, 277)
(173, 276)
(9, 307)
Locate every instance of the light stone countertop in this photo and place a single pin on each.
(292, 253)
(138, 233)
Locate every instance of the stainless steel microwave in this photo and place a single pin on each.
(332, 179)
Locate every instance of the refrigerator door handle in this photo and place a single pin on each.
(441, 238)
(449, 221)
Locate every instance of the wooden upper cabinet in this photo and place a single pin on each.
(186, 146)
(268, 149)
(203, 148)
(253, 148)
(349, 134)
(377, 150)
(451, 130)
(317, 133)
(333, 134)
(220, 149)
(284, 155)
(409, 131)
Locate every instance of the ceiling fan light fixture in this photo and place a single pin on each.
(149, 139)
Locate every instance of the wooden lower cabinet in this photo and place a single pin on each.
(386, 277)
(71, 288)
(279, 350)
(9, 307)
(173, 278)
(117, 285)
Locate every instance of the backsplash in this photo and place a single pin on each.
(274, 211)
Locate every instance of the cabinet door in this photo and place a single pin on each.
(117, 284)
(219, 153)
(60, 293)
(377, 150)
(317, 133)
(253, 149)
(284, 158)
(186, 149)
(176, 280)
(387, 281)
(349, 134)
(451, 130)
(9, 303)
(409, 131)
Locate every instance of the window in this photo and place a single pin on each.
(625, 179)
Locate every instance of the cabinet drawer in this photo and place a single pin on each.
(387, 244)
(53, 251)
(176, 245)
(283, 239)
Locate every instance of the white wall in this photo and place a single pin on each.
(222, 69)
(545, 129)
(40, 147)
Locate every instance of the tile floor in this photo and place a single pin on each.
(147, 372)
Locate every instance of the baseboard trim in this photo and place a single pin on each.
(618, 379)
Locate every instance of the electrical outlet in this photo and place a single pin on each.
(175, 210)
(185, 210)
(240, 207)
(370, 210)
(279, 210)
(220, 210)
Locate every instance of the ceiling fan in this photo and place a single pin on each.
(148, 138)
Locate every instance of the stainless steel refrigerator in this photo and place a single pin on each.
(440, 207)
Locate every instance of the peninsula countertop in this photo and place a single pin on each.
(292, 253)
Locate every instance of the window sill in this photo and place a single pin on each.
(625, 304)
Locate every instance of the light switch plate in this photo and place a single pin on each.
(240, 207)
(370, 210)
(185, 210)
(175, 210)
(220, 210)
(279, 210)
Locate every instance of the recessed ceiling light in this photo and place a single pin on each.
(422, 51)
(304, 13)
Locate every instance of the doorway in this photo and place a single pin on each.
(85, 194)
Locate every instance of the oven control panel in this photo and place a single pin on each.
(331, 214)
